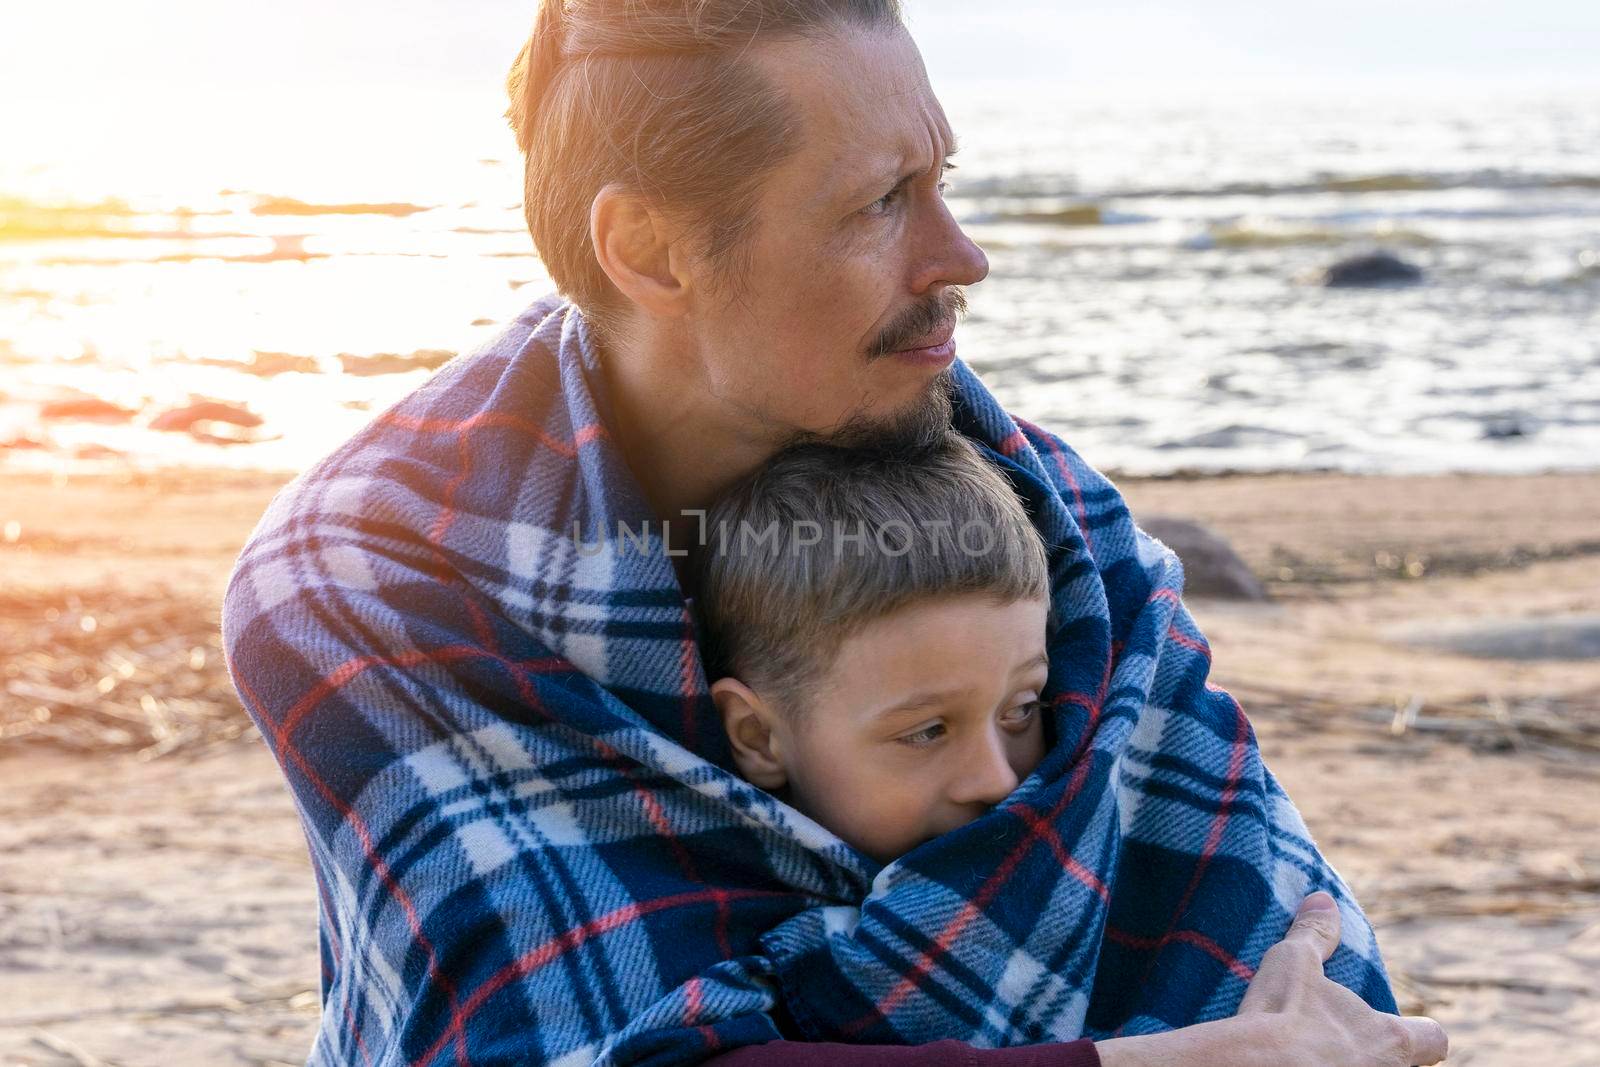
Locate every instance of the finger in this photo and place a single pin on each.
(1317, 922)
(1427, 1039)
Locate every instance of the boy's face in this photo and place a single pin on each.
(928, 717)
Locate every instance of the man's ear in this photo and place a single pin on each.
(635, 246)
(750, 723)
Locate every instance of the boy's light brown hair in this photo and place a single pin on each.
(661, 97)
(825, 539)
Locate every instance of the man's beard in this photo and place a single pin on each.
(926, 420)
(917, 426)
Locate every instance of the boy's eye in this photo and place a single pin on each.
(1023, 713)
(925, 736)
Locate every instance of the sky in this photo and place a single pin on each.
(1220, 41)
(142, 94)
(69, 47)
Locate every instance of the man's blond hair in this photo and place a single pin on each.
(662, 98)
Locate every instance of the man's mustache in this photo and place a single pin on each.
(920, 320)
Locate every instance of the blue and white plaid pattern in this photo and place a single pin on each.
(529, 843)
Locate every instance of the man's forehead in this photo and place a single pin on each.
(865, 108)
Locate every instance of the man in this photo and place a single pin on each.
(493, 715)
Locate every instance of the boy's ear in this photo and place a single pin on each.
(749, 723)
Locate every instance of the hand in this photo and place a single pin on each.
(1292, 1015)
(1318, 1021)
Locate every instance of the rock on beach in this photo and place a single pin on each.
(1211, 568)
(1370, 270)
(1558, 637)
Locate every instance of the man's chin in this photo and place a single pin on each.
(912, 426)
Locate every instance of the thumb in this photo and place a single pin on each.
(1317, 923)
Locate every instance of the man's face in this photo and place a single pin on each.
(842, 319)
(927, 718)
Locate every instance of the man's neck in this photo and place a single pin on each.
(683, 446)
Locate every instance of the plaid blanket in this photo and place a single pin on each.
(529, 842)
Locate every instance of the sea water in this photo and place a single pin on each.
(1153, 296)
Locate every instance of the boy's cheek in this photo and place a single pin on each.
(1033, 749)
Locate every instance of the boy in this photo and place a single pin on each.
(876, 623)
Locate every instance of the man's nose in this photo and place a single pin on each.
(987, 777)
(950, 257)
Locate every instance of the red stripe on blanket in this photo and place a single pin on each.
(1219, 823)
(447, 509)
(1185, 640)
(1082, 700)
(355, 1032)
(688, 687)
(693, 1000)
(347, 671)
(1068, 862)
(456, 1030)
(446, 517)
(1094, 705)
(970, 911)
(554, 948)
(650, 804)
(327, 909)
(498, 420)
(1072, 481)
(1239, 968)
(1190, 643)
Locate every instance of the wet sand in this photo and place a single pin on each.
(159, 909)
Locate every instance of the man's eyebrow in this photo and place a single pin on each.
(878, 183)
(908, 175)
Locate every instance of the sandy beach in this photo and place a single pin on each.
(156, 905)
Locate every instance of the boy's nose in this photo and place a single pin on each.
(987, 776)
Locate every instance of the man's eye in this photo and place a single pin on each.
(925, 736)
(883, 203)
